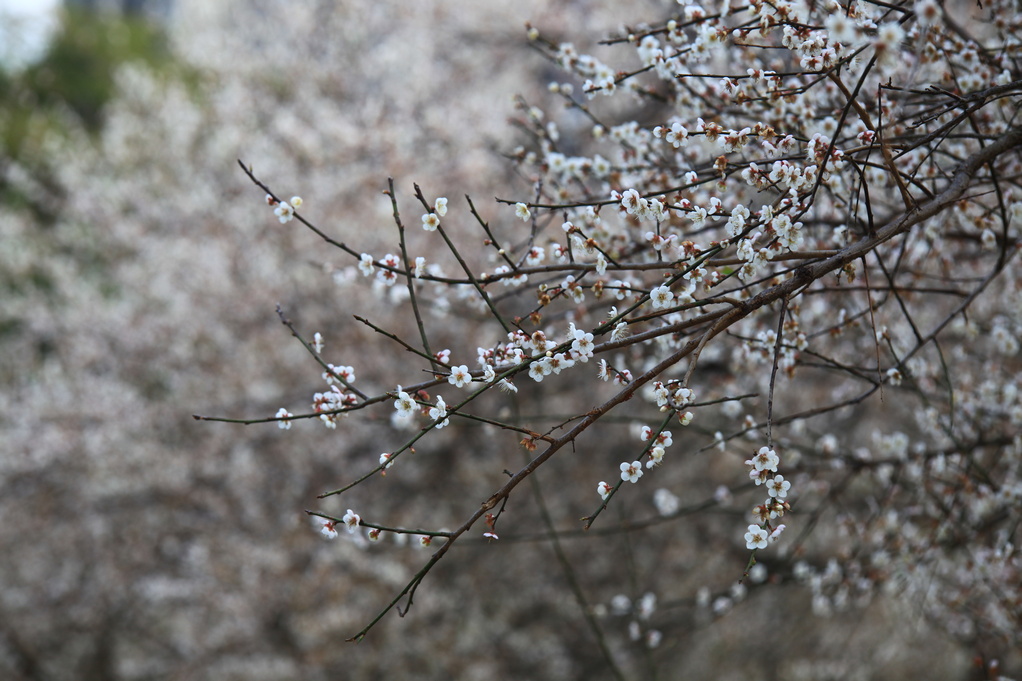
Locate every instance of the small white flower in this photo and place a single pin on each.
(296, 201)
(284, 212)
(351, 519)
(317, 343)
(459, 376)
(420, 267)
(365, 264)
(440, 206)
(489, 375)
(656, 455)
(661, 297)
(404, 404)
(522, 211)
(385, 458)
(604, 490)
(430, 221)
(583, 345)
(756, 537)
(778, 487)
(326, 526)
(684, 396)
(538, 370)
(631, 471)
(284, 415)
(439, 413)
(765, 460)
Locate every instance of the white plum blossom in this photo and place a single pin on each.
(430, 221)
(736, 223)
(540, 369)
(284, 212)
(656, 456)
(765, 459)
(351, 520)
(489, 374)
(365, 264)
(582, 344)
(522, 211)
(631, 472)
(661, 297)
(661, 394)
(460, 376)
(684, 396)
(756, 537)
(326, 526)
(404, 404)
(439, 413)
(778, 487)
(535, 256)
(284, 419)
(440, 206)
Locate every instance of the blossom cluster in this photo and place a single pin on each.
(792, 231)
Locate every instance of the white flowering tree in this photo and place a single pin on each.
(763, 279)
(139, 270)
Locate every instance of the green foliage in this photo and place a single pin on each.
(78, 70)
(76, 77)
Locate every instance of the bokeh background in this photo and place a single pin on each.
(139, 273)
